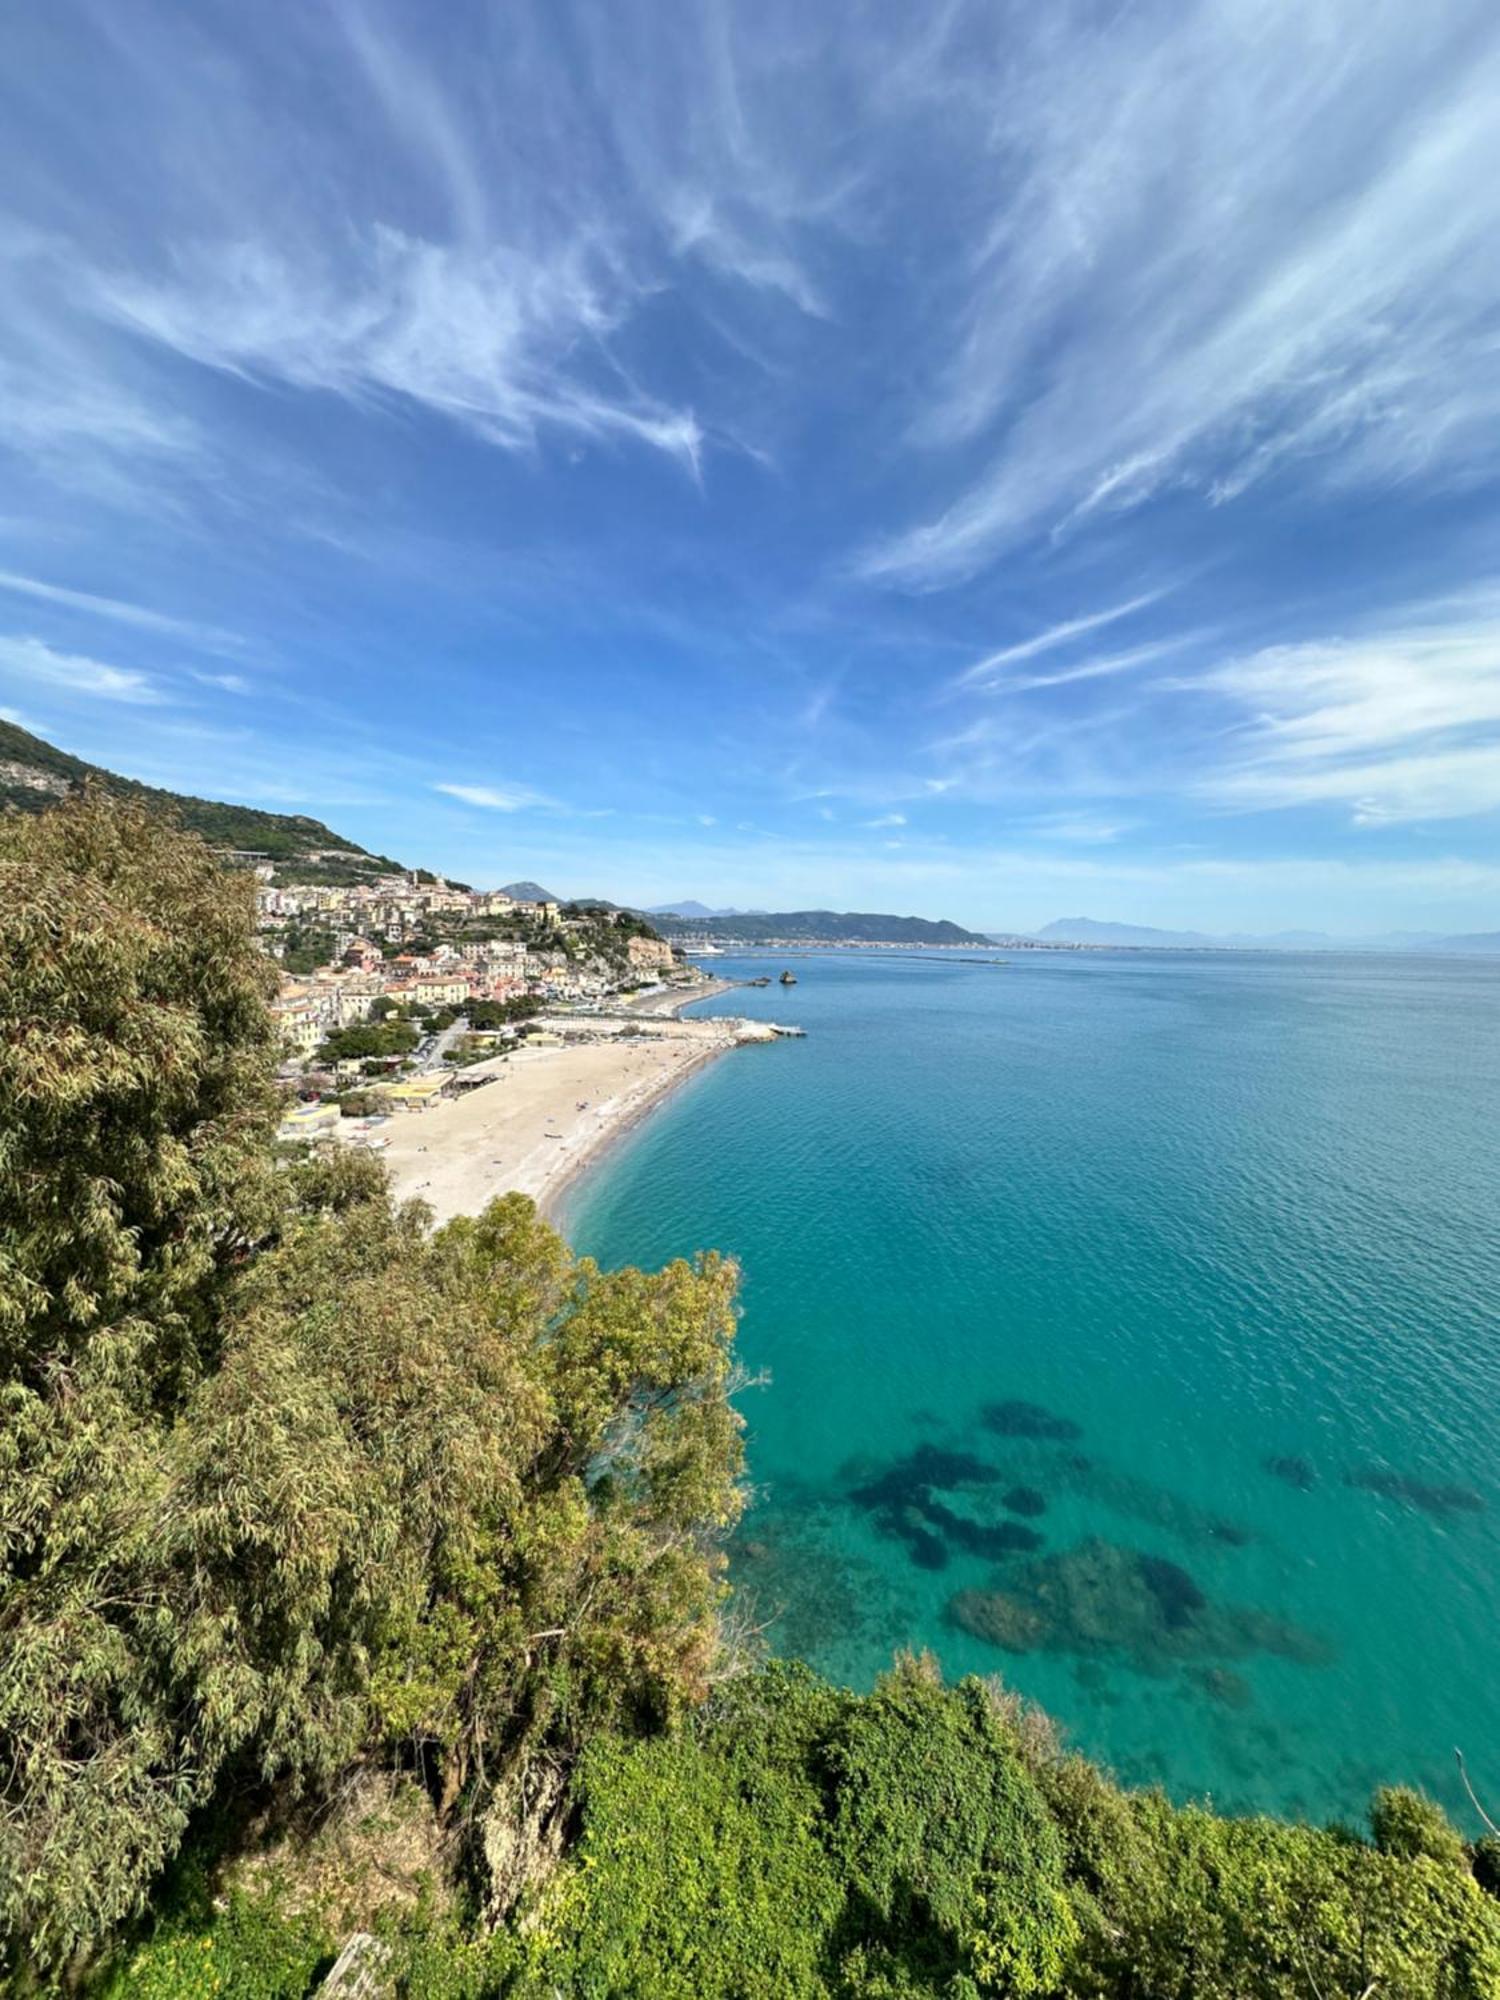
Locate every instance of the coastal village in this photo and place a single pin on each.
(415, 945)
(405, 998)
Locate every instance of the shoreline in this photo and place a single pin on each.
(612, 1133)
(550, 1115)
(575, 1170)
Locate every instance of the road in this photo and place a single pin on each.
(429, 1054)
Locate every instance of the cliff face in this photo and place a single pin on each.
(650, 954)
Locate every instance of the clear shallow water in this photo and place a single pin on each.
(1206, 1210)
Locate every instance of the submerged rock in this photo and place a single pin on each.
(1101, 1598)
(903, 1500)
(980, 1538)
(1178, 1598)
(1292, 1471)
(1025, 1500)
(1016, 1418)
(1223, 1685)
(918, 1472)
(1140, 1499)
(1432, 1499)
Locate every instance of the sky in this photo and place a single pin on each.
(986, 460)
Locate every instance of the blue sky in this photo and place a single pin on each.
(987, 460)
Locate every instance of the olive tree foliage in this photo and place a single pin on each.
(135, 1098)
(285, 1481)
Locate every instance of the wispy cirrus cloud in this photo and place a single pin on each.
(1233, 238)
(481, 336)
(32, 663)
(119, 611)
(1399, 721)
(514, 798)
(476, 240)
(984, 671)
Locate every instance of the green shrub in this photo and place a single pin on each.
(1404, 1822)
(699, 1877)
(1259, 1908)
(251, 1949)
(441, 1962)
(944, 1838)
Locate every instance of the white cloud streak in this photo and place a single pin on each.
(119, 611)
(482, 337)
(1227, 237)
(1395, 723)
(35, 664)
(492, 799)
(982, 672)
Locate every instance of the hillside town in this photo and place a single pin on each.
(414, 949)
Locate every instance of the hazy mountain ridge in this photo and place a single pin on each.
(821, 927)
(1146, 937)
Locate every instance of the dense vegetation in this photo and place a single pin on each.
(304, 947)
(501, 1013)
(368, 1038)
(34, 773)
(821, 927)
(286, 1485)
(352, 1574)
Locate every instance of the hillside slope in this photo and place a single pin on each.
(35, 773)
(819, 927)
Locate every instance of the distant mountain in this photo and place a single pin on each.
(691, 909)
(1086, 930)
(1144, 937)
(533, 892)
(34, 774)
(819, 927)
(1476, 941)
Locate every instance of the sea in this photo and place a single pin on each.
(1125, 1325)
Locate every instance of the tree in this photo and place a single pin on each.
(498, 1013)
(136, 1113)
(368, 1038)
(136, 1096)
(285, 1483)
(306, 947)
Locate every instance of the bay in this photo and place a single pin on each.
(1225, 1226)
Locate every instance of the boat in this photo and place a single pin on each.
(789, 979)
(764, 980)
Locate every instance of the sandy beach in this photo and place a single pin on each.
(546, 1114)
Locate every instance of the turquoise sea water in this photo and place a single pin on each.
(1228, 1227)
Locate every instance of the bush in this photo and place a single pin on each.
(1404, 1822)
(698, 1878)
(809, 1842)
(1257, 1907)
(251, 1949)
(942, 1833)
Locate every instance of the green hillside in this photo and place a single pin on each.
(35, 774)
(820, 927)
